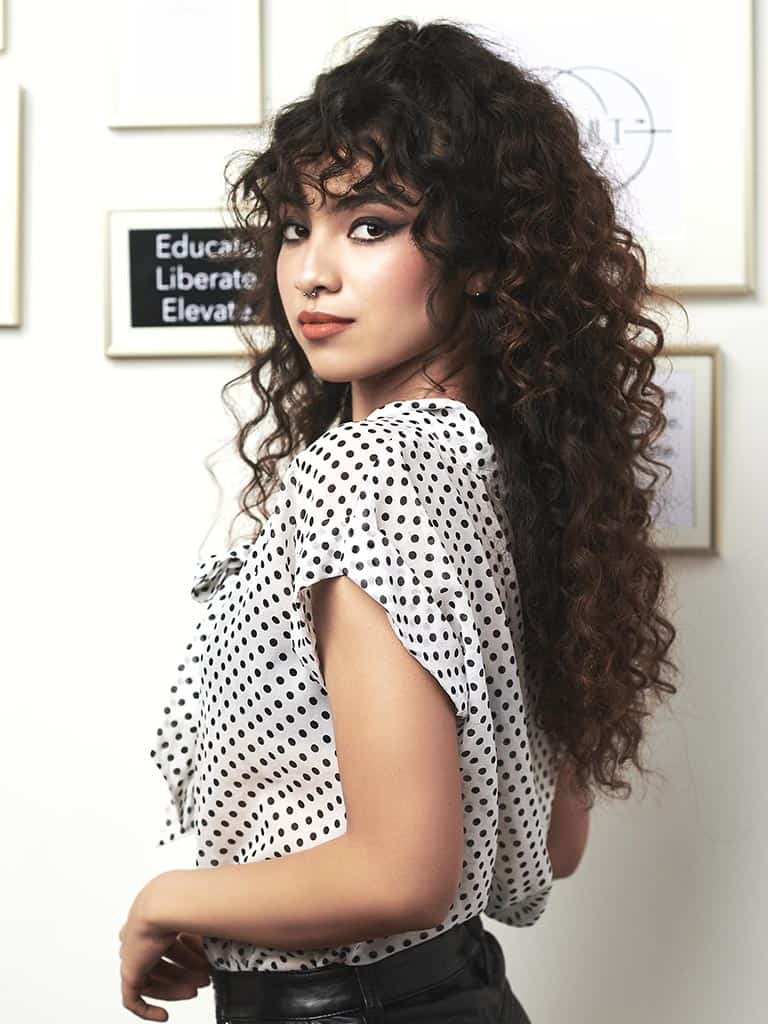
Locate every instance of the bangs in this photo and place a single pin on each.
(344, 166)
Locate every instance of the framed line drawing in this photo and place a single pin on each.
(686, 516)
(166, 292)
(11, 96)
(676, 132)
(178, 63)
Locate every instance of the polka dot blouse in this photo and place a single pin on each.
(407, 503)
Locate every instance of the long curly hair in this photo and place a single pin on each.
(567, 393)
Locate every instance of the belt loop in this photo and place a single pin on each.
(474, 926)
(486, 966)
(483, 937)
(372, 1006)
(221, 996)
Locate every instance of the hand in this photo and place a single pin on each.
(187, 971)
(143, 971)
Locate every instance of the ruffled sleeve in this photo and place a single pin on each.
(383, 535)
(175, 746)
(174, 749)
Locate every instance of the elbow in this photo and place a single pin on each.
(564, 867)
(422, 887)
(568, 823)
(422, 918)
(566, 849)
(424, 908)
(566, 858)
(404, 893)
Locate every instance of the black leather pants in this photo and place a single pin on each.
(456, 977)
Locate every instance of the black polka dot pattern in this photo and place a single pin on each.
(407, 503)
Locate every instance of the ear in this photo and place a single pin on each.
(480, 281)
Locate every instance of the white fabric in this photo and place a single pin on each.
(406, 502)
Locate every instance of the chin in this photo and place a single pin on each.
(329, 377)
(338, 371)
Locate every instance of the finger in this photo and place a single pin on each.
(176, 972)
(189, 955)
(158, 988)
(147, 1011)
(168, 969)
(164, 971)
(186, 963)
(195, 944)
(193, 940)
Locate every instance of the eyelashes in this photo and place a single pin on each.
(380, 225)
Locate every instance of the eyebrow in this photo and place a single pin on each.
(353, 199)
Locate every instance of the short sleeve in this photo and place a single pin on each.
(173, 751)
(386, 542)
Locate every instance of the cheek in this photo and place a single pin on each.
(398, 272)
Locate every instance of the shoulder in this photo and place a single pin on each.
(374, 468)
(347, 455)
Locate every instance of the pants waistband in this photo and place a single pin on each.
(340, 988)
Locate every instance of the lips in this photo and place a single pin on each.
(323, 329)
(323, 318)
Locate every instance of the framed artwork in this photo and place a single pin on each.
(10, 202)
(675, 132)
(185, 63)
(686, 516)
(170, 290)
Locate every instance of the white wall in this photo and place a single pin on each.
(107, 502)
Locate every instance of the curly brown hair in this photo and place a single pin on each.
(566, 380)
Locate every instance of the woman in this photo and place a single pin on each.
(443, 637)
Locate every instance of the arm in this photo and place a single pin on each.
(331, 894)
(399, 863)
(569, 824)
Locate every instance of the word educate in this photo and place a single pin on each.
(185, 249)
(177, 310)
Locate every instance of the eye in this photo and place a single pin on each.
(376, 224)
(288, 224)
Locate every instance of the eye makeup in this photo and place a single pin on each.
(387, 229)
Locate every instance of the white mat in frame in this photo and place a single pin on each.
(687, 516)
(667, 95)
(143, 283)
(185, 63)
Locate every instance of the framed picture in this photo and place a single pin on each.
(676, 132)
(170, 290)
(187, 63)
(10, 202)
(686, 516)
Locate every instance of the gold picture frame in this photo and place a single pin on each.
(11, 147)
(687, 517)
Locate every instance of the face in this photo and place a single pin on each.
(364, 265)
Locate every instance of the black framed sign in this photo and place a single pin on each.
(173, 278)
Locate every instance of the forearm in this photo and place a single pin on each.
(331, 894)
